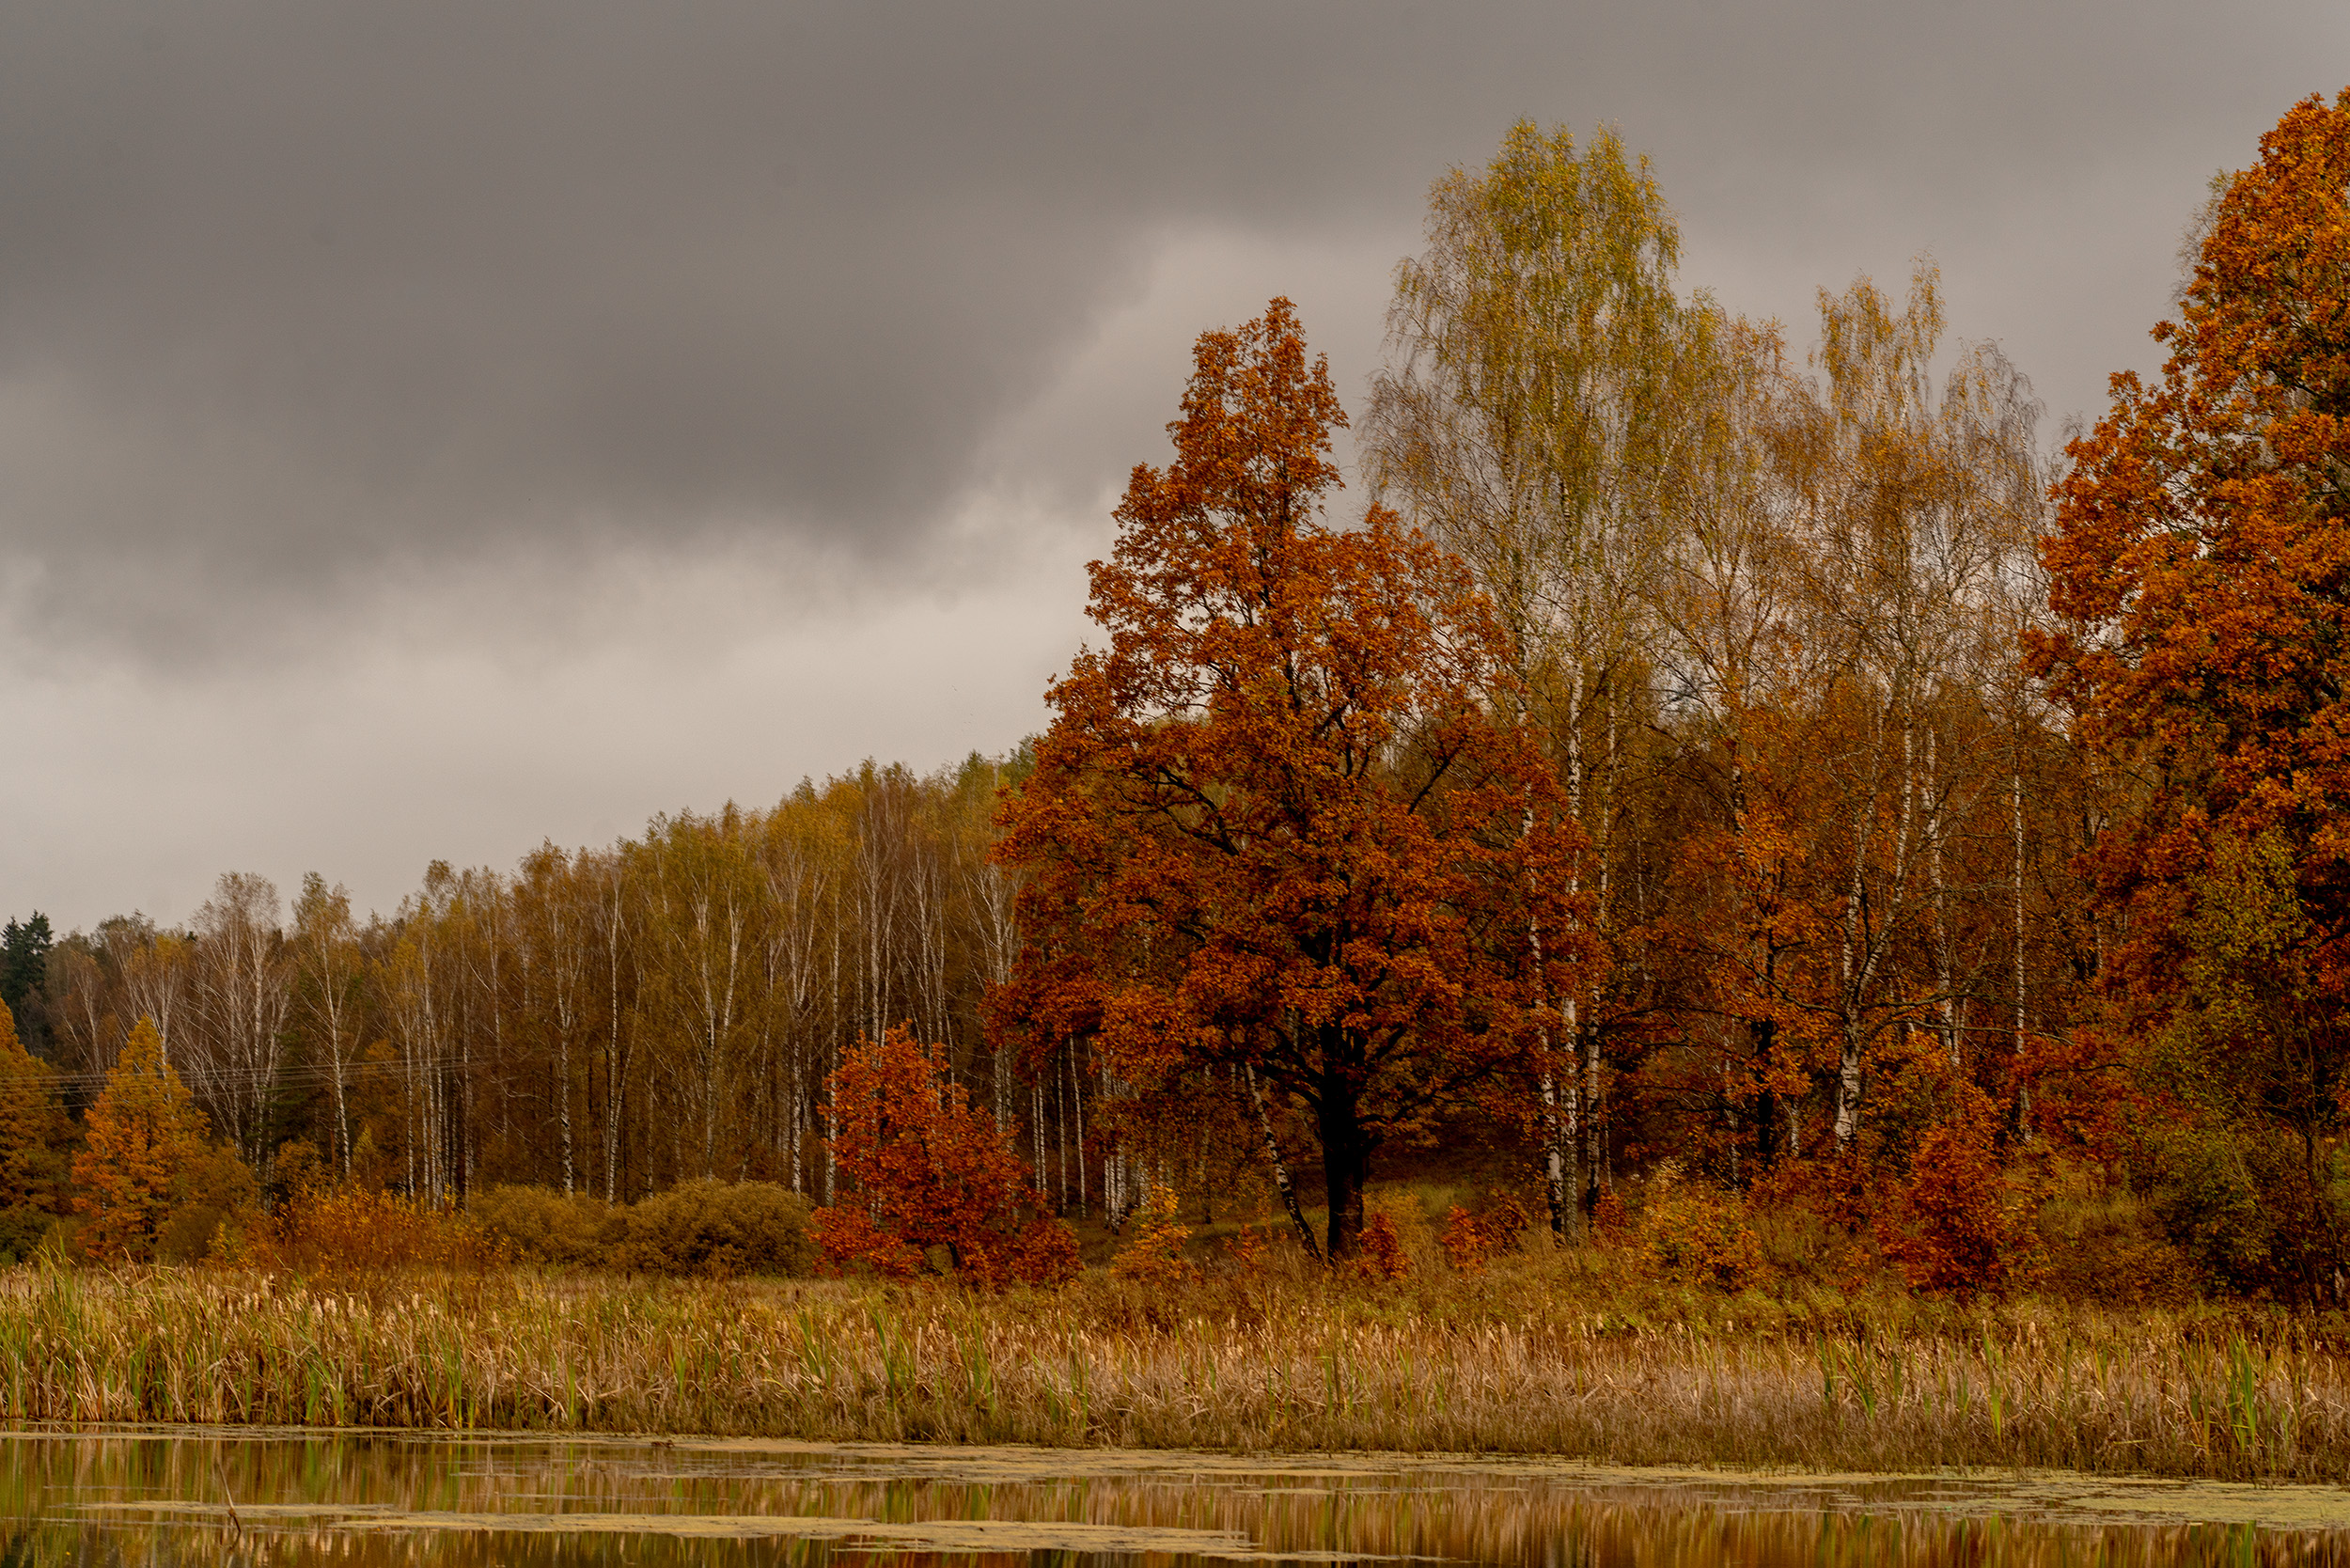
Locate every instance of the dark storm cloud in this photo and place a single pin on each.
(296, 296)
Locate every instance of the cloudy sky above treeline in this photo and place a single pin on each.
(430, 428)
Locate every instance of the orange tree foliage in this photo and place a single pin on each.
(141, 1141)
(1959, 1224)
(32, 1128)
(929, 1171)
(1285, 820)
(2202, 561)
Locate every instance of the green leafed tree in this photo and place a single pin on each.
(25, 946)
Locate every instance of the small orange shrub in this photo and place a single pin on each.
(1248, 1247)
(351, 1230)
(1958, 1225)
(1382, 1256)
(1692, 1232)
(1155, 1254)
(1611, 1222)
(929, 1171)
(1041, 1252)
(1464, 1241)
(1470, 1238)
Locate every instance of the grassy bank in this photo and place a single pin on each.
(1536, 1354)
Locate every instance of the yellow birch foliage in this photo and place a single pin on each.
(1155, 1255)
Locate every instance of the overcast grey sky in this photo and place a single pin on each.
(430, 428)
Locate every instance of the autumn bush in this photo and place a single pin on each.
(218, 1195)
(21, 1231)
(929, 1171)
(356, 1230)
(699, 1228)
(1464, 1241)
(1474, 1234)
(2103, 1241)
(1695, 1233)
(1155, 1254)
(718, 1229)
(1382, 1256)
(702, 1228)
(1959, 1223)
(540, 1224)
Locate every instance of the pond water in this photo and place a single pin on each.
(359, 1499)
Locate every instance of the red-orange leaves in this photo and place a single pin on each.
(2202, 543)
(929, 1171)
(2201, 555)
(1287, 818)
(1960, 1224)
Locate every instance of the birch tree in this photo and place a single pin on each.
(329, 976)
(1529, 420)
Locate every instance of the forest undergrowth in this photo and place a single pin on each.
(1593, 1353)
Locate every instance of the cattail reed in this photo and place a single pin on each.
(1515, 1360)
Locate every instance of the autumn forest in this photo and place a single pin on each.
(1693, 770)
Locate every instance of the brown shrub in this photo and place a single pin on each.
(217, 1191)
(1696, 1233)
(351, 1230)
(1382, 1256)
(540, 1224)
(22, 1228)
(2101, 1244)
(718, 1229)
(1611, 1222)
(1959, 1225)
(1471, 1236)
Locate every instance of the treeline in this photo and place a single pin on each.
(1680, 757)
(1764, 615)
(605, 1020)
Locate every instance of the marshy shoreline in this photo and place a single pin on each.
(1538, 1355)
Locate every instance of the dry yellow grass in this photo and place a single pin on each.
(1532, 1356)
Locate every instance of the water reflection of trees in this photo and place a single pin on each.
(91, 1501)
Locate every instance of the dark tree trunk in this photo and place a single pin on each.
(1345, 1162)
(1765, 1103)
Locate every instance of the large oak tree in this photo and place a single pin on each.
(1292, 820)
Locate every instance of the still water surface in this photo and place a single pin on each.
(362, 1499)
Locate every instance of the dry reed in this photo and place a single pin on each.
(1510, 1362)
